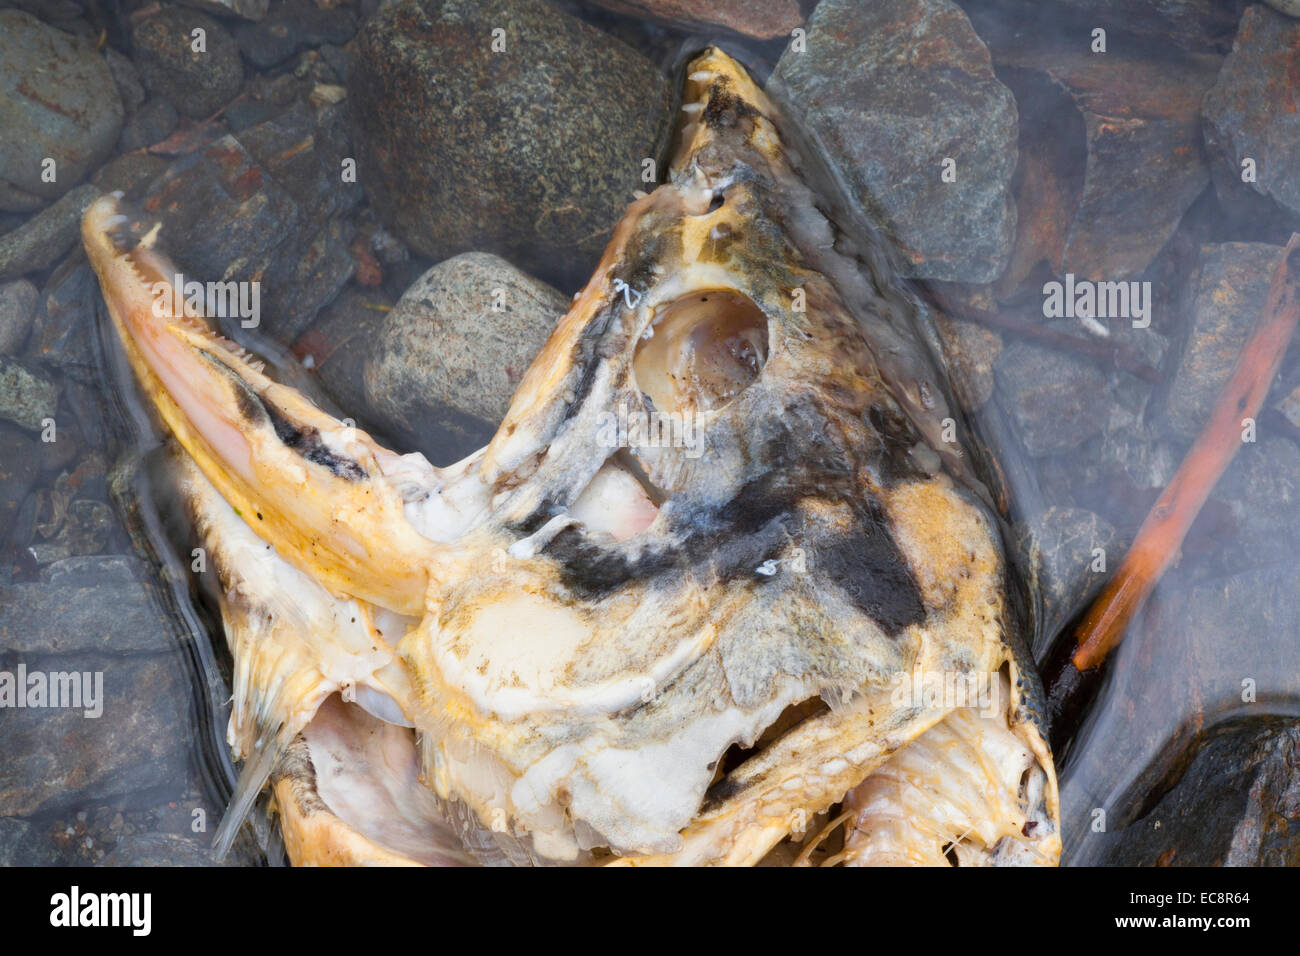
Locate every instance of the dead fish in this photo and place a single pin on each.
(783, 628)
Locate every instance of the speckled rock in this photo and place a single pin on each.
(1224, 301)
(1251, 113)
(17, 306)
(892, 89)
(197, 84)
(447, 359)
(457, 153)
(37, 243)
(1289, 7)
(57, 101)
(761, 19)
(28, 393)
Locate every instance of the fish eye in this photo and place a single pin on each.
(705, 349)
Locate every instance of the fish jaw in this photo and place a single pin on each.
(314, 488)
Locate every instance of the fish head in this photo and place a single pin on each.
(712, 578)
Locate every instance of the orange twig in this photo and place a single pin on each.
(1162, 533)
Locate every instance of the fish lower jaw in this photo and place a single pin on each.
(966, 792)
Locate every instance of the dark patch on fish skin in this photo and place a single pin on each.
(305, 441)
(755, 526)
(724, 108)
(869, 568)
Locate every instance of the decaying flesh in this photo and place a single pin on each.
(583, 643)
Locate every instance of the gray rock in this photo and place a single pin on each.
(151, 123)
(131, 173)
(290, 26)
(40, 241)
(1290, 7)
(892, 89)
(455, 153)
(337, 345)
(57, 101)
(63, 612)
(64, 330)
(1249, 113)
(129, 87)
(1202, 649)
(164, 849)
(449, 356)
(1225, 300)
(1261, 488)
(16, 839)
(84, 530)
(17, 306)
(18, 467)
(1060, 544)
(1057, 401)
(28, 393)
(1235, 802)
(132, 746)
(197, 84)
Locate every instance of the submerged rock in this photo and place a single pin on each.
(290, 26)
(1055, 399)
(1250, 114)
(893, 90)
(58, 102)
(1144, 165)
(761, 19)
(1236, 803)
(1062, 545)
(37, 243)
(447, 359)
(263, 205)
(196, 82)
(1224, 301)
(17, 306)
(28, 393)
(456, 152)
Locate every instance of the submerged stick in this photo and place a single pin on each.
(1070, 677)
(1107, 354)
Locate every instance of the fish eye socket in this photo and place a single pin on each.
(704, 349)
